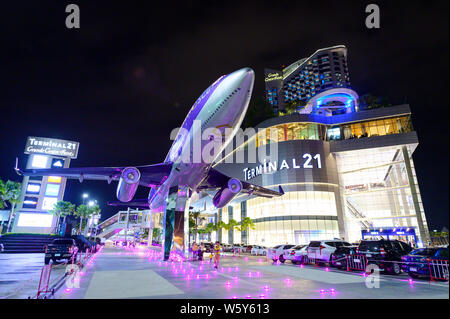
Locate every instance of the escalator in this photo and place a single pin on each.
(357, 213)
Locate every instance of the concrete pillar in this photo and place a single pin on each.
(176, 223)
(424, 234)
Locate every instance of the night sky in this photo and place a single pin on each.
(129, 75)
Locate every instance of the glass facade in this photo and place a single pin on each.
(290, 132)
(314, 131)
(298, 217)
(376, 190)
(395, 125)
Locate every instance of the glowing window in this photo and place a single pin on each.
(39, 161)
(49, 202)
(33, 188)
(35, 220)
(52, 190)
(54, 179)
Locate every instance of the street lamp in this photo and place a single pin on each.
(85, 195)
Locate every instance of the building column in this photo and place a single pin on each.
(424, 234)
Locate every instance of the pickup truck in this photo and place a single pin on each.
(61, 249)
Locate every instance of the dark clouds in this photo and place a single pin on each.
(122, 82)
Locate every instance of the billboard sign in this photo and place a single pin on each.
(51, 146)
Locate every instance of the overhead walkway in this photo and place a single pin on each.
(118, 222)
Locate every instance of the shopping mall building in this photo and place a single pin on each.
(346, 173)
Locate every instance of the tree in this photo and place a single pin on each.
(246, 223)
(293, 106)
(194, 218)
(83, 212)
(10, 193)
(94, 210)
(258, 111)
(62, 209)
(369, 101)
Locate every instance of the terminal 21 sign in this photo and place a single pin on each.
(308, 161)
(51, 146)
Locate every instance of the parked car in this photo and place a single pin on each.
(238, 248)
(228, 248)
(321, 251)
(61, 249)
(258, 250)
(247, 249)
(339, 256)
(277, 252)
(289, 253)
(83, 243)
(416, 262)
(386, 254)
(298, 255)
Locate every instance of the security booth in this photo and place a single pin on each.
(405, 234)
(40, 193)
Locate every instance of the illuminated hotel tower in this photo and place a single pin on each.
(324, 70)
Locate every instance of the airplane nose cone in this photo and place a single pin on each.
(247, 73)
(246, 77)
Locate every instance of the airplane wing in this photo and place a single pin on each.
(142, 202)
(151, 175)
(216, 179)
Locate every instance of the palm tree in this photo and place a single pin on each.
(246, 223)
(195, 217)
(83, 212)
(94, 210)
(10, 192)
(62, 209)
(232, 224)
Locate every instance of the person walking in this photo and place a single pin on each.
(216, 255)
(200, 251)
(211, 252)
(194, 250)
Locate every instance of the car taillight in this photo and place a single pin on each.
(382, 250)
(70, 249)
(293, 252)
(357, 250)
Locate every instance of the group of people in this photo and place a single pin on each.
(197, 252)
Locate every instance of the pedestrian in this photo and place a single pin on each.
(216, 255)
(211, 252)
(200, 252)
(194, 250)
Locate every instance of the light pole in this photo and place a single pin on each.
(91, 218)
(85, 196)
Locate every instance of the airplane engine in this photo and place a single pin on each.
(128, 184)
(227, 193)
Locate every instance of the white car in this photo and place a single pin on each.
(321, 251)
(290, 253)
(258, 250)
(277, 252)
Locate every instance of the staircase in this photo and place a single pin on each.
(25, 243)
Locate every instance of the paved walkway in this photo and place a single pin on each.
(20, 274)
(122, 273)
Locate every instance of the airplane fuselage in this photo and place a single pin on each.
(215, 116)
